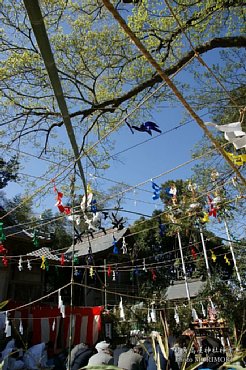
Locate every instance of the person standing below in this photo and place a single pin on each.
(104, 355)
(132, 359)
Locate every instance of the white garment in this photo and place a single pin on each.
(232, 133)
(35, 357)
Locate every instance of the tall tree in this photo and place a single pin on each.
(102, 73)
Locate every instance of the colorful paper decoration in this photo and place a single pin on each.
(2, 249)
(42, 266)
(192, 187)
(20, 267)
(59, 205)
(5, 261)
(77, 236)
(115, 249)
(35, 239)
(113, 276)
(89, 198)
(117, 223)
(121, 308)
(156, 190)
(193, 252)
(21, 327)
(91, 272)
(109, 271)
(2, 235)
(176, 315)
(153, 273)
(145, 127)
(94, 206)
(232, 133)
(60, 304)
(54, 325)
(76, 260)
(227, 260)
(194, 314)
(212, 209)
(7, 329)
(153, 313)
(144, 266)
(213, 256)
(172, 192)
(203, 310)
(162, 228)
(62, 260)
(29, 265)
(124, 246)
(205, 217)
(238, 160)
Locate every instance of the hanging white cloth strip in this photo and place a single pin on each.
(203, 310)
(7, 329)
(232, 133)
(176, 315)
(121, 308)
(153, 313)
(60, 304)
(194, 314)
(21, 327)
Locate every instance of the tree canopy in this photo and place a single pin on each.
(102, 73)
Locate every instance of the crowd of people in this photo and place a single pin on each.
(140, 356)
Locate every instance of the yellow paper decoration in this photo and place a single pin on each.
(89, 189)
(238, 160)
(91, 272)
(214, 258)
(205, 217)
(226, 260)
(43, 263)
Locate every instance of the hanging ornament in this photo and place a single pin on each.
(42, 266)
(94, 206)
(203, 310)
(124, 246)
(238, 160)
(153, 313)
(136, 272)
(29, 265)
(213, 256)
(109, 271)
(176, 315)
(5, 261)
(2, 249)
(54, 325)
(212, 211)
(172, 193)
(7, 329)
(113, 276)
(59, 205)
(35, 239)
(47, 266)
(20, 327)
(75, 260)
(156, 190)
(89, 199)
(162, 227)
(60, 304)
(193, 252)
(117, 223)
(62, 260)
(194, 314)
(91, 272)
(115, 249)
(144, 127)
(144, 266)
(2, 235)
(20, 267)
(153, 275)
(148, 316)
(121, 308)
(227, 260)
(192, 187)
(205, 218)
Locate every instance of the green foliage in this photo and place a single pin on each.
(8, 171)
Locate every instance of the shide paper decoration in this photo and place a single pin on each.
(59, 205)
(238, 160)
(156, 190)
(60, 304)
(148, 127)
(232, 133)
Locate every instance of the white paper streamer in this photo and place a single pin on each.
(122, 313)
(194, 314)
(21, 327)
(7, 329)
(148, 317)
(60, 304)
(20, 267)
(153, 314)
(54, 325)
(176, 315)
(203, 310)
